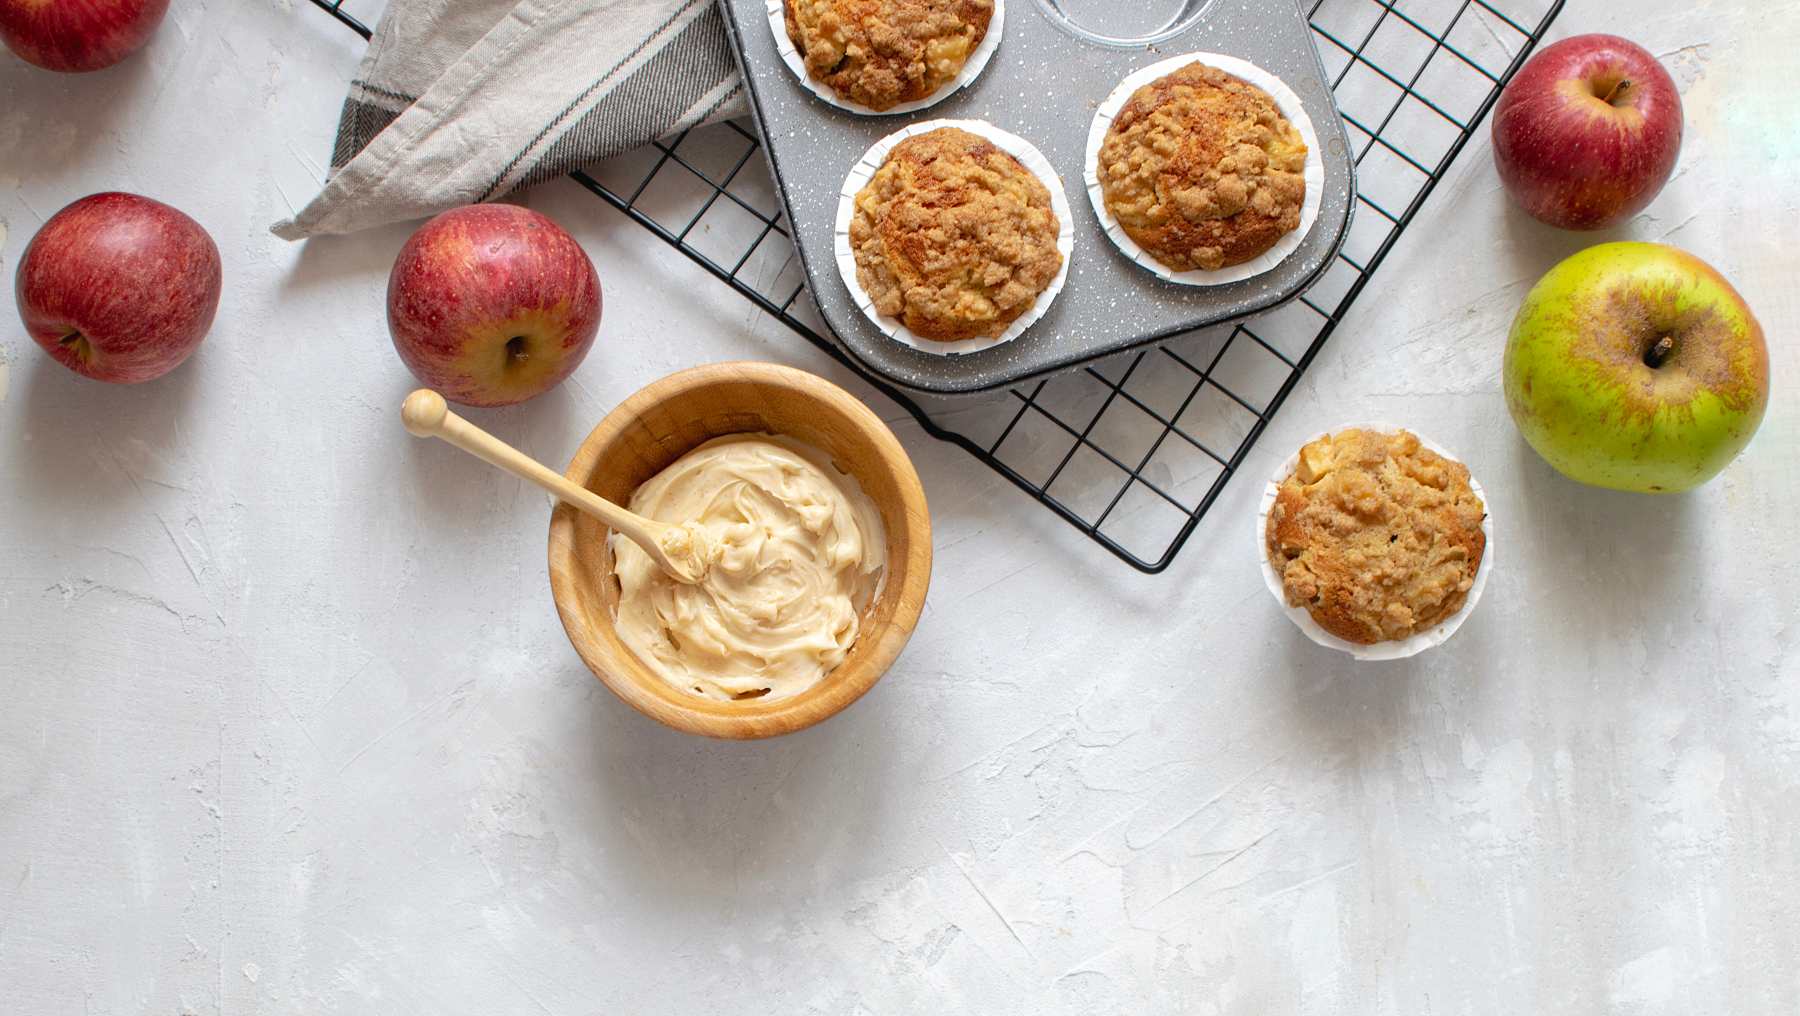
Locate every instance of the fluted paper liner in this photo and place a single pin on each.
(1290, 106)
(971, 68)
(1018, 148)
(1398, 649)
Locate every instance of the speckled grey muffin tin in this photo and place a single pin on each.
(1044, 84)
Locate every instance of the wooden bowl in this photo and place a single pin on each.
(664, 421)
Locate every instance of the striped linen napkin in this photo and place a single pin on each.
(465, 100)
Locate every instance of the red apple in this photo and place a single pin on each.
(78, 35)
(1588, 132)
(492, 304)
(119, 287)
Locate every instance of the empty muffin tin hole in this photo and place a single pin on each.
(1129, 23)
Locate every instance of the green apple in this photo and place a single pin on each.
(1636, 366)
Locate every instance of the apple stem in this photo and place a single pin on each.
(1617, 90)
(1659, 353)
(77, 343)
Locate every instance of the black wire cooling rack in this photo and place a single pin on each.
(1134, 449)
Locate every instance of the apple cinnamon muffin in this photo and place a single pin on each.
(1202, 170)
(1375, 535)
(881, 53)
(953, 236)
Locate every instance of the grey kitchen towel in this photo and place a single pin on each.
(460, 101)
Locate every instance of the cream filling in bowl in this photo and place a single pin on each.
(795, 552)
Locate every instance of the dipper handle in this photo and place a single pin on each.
(426, 414)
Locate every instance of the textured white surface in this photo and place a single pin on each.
(290, 726)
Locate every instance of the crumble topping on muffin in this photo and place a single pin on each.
(1202, 170)
(881, 53)
(953, 236)
(1376, 536)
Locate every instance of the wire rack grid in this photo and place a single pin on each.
(1134, 449)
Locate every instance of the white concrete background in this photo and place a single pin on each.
(289, 724)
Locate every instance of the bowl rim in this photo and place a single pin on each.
(641, 688)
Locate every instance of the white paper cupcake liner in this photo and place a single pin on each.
(971, 69)
(1394, 650)
(1290, 106)
(864, 170)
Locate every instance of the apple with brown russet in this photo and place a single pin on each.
(119, 287)
(492, 304)
(78, 35)
(1588, 132)
(1636, 366)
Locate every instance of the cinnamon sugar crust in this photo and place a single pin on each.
(954, 237)
(881, 53)
(1202, 170)
(1375, 535)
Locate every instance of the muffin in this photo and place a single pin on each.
(953, 236)
(880, 53)
(1375, 536)
(1202, 170)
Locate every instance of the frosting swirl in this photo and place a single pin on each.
(794, 550)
